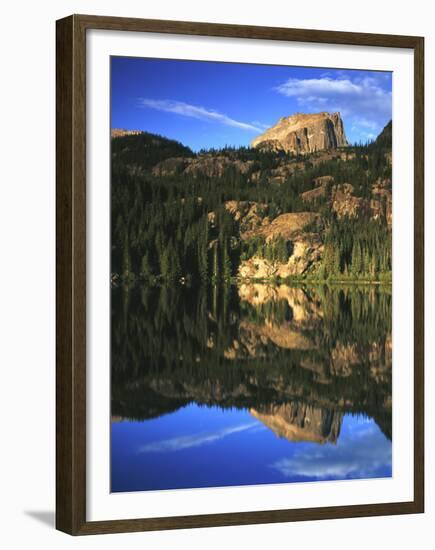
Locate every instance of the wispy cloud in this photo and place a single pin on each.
(260, 125)
(313, 87)
(365, 453)
(195, 440)
(198, 112)
(364, 100)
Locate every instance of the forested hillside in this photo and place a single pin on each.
(222, 214)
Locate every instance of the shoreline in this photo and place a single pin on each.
(116, 280)
(293, 281)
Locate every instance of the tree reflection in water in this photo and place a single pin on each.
(298, 358)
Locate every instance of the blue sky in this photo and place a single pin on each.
(208, 104)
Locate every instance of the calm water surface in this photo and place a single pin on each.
(248, 385)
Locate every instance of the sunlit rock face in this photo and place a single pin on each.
(304, 133)
(301, 422)
(306, 257)
(285, 225)
(305, 243)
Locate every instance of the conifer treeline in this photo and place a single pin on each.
(357, 248)
(161, 229)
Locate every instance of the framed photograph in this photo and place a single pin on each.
(239, 275)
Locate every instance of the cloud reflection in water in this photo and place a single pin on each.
(361, 452)
(195, 440)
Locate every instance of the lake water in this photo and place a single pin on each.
(220, 386)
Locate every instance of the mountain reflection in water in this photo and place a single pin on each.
(255, 373)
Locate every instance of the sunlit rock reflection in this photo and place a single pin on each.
(301, 422)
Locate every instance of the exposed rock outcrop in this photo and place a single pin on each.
(306, 257)
(323, 185)
(306, 247)
(203, 165)
(304, 133)
(285, 225)
(250, 215)
(170, 166)
(216, 166)
(344, 203)
(285, 171)
(381, 203)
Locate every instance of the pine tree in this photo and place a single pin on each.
(336, 260)
(215, 260)
(366, 261)
(203, 251)
(226, 261)
(356, 258)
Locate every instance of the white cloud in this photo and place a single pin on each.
(362, 101)
(314, 87)
(366, 123)
(195, 440)
(363, 454)
(195, 111)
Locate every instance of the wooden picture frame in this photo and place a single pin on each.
(71, 273)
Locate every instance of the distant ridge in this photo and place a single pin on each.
(120, 132)
(384, 139)
(137, 151)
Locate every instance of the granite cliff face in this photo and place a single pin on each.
(304, 133)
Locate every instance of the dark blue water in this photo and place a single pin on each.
(290, 389)
(208, 447)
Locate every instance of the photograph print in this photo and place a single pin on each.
(251, 271)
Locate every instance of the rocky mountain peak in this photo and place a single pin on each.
(304, 133)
